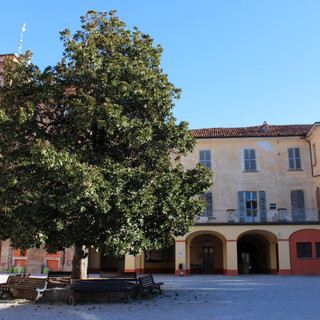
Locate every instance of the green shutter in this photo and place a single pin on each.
(297, 204)
(253, 165)
(263, 206)
(241, 205)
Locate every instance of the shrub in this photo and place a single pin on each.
(46, 270)
(22, 270)
(16, 269)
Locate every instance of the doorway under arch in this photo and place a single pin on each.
(205, 254)
(257, 253)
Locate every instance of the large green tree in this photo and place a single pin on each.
(90, 150)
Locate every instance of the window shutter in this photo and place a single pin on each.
(291, 158)
(201, 155)
(250, 163)
(209, 209)
(298, 158)
(290, 152)
(294, 158)
(297, 204)
(208, 159)
(263, 206)
(253, 159)
(241, 205)
(205, 158)
(246, 160)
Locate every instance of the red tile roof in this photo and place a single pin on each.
(259, 131)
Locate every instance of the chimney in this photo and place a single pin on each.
(265, 127)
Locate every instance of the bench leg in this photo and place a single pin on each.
(6, 291)
(127, 295)
(40, 293)
(142, 291)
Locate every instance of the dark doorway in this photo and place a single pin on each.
(112, 263)
(252, 254)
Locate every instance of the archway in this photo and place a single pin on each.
(257, 253)
(205, 252)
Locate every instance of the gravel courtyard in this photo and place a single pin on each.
(195, 297)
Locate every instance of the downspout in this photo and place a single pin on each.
(310, 150)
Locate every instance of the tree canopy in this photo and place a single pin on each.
(90, 149)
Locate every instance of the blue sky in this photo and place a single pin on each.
(238, 62)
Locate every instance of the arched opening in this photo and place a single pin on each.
(257, 253)
(205, 254)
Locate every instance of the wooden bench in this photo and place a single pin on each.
(147, 285)
(25, 283)
(129, 276)
(100, 285)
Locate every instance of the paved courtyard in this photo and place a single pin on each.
(195, 297)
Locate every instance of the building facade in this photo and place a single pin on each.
(262, 214)
(263, 208)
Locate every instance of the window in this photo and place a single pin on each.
(209, 209)
(205, 158)
(297, 204)
(250, 204)
(318, 249)
(250, 163)
(314, 154)
(304, 250)
(294, 158)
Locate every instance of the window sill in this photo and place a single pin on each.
(250, 170)
(295, 170)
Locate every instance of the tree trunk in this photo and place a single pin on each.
(80, 263)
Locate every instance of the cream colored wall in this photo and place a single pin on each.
(315, 140)
(229, 234)
(94, 259)
(273, 174)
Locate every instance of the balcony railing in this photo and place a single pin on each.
(268, 216)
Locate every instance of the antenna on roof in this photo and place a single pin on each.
(20, 42)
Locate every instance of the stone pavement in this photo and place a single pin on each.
(196, 297)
